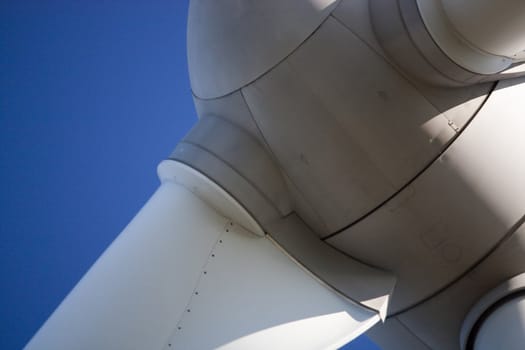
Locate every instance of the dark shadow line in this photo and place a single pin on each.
(317, 277)
(425, 168)
(486, 314)
(273, 66)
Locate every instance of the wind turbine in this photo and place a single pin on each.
(358, 165)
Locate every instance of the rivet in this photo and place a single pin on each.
(213, 255)
(179, 327)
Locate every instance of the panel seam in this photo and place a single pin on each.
(261, 193)
(276, 64)
(281, 168)
(418, 174)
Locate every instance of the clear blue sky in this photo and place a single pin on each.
(93, 94)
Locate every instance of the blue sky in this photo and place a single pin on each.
(93, 94)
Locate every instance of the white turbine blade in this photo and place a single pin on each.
(181, 275)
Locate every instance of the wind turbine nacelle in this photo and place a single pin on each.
(355, 161)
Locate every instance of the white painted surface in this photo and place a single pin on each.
(179, 254)
(347, 129)
(231, 42)
(456, 211)
(209, 192)
(251, 296)
(473, 36)
(493, 26)
(448, 309)
(139, 287)
(457, 105)
(361, 283)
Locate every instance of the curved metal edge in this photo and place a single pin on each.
(229, 179)
(206, 93)
(408, 34)
(419, 173)
(209, 191)
(402, 34)
(362, 284)
(486, 305)
(453, 45)
(251, 295)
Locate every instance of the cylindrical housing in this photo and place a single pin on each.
(497, 320)
(484, 37)
(492, 26)
(503, 327)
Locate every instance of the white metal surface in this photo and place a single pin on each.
(251, 296)
(363, 284)
(139, 287)
(455, 47)
(245, 155)
(493, 26)
(231, 42)
(458, 105)
(228, 178)
(346, 127)
(454, 212)
(231, 107)
(183, 276)
(437, 322)
(485, 36)
(209, 192)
